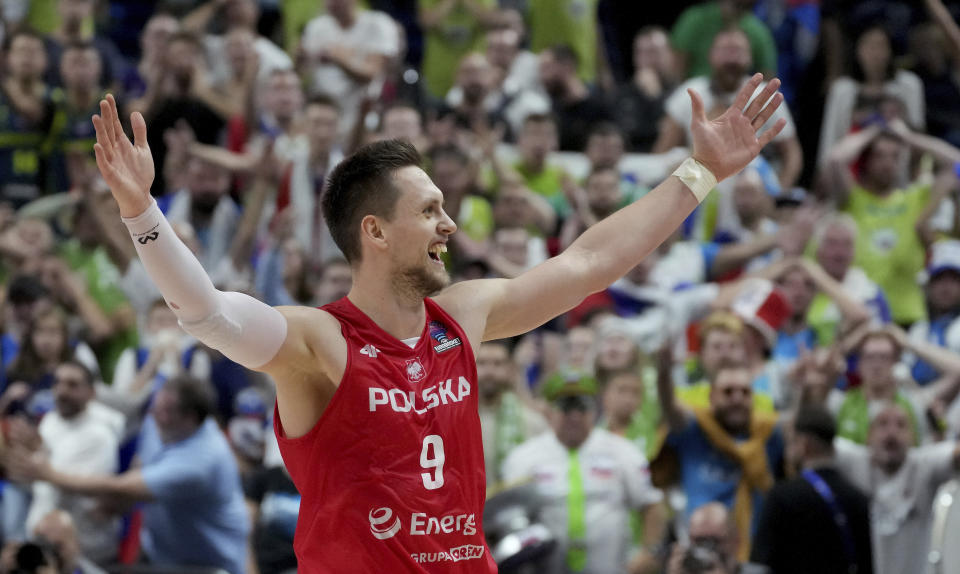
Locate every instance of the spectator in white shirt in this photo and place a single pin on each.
(902, 482)
(345, 50)
(589, 480)
(82, 438)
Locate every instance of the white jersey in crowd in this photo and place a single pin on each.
(86, 445)
(901, 505)
(372, 33)
(616, 479)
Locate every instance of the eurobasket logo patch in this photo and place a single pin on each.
(438, 332)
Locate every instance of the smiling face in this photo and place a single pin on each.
(415, 237)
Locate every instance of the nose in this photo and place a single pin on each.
(447, 226)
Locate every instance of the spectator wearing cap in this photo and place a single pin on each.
(506, 420)
(941, 284)
(82, 438)
(887, 212)
(726, 453)
(730, 66)
(574, 105)
(818, 521)
(589, 480)
(345, 50)
(902, 480)
(834, 249)
(195, 515)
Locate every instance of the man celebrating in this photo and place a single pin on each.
(376, 393)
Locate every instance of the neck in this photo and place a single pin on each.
(818, 461)
(319, 157)
(618, 425)
(285, 123)
(71, 32)
(796, 324)
(534, 165)
(82, 98)
(402, 315)
(346, 19)
(876, 188)
(879, 392)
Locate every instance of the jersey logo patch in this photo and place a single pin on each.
(379, 517)
(438, 332)
(415, 370)
(370, 351)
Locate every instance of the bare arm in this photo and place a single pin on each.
(838, 177)
(199, 18)
(675, 415)
(360, 67)
(430, 18)
(670, 136)
(944, 360)
(850, 308)
(941, 16)
(606, 251)
(792, 157)
(736, 255)
(945, 183)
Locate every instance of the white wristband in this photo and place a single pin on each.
(696, 177)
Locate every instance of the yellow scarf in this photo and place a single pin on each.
(751, 455)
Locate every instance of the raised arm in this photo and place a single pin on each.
(839, 180)
(301, 348)
(609, 249)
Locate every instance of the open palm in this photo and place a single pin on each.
(728, 143)
(126, 167)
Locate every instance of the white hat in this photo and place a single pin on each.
(945, 256)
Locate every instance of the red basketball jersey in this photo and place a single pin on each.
(392, 476)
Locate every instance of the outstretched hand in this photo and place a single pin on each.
(728, 143)
(126, 167)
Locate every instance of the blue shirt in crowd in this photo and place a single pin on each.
(198, 517)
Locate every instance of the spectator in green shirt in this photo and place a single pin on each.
(452, 29)
(889, 247)
(693, 34)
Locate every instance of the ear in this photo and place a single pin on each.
(372, 232)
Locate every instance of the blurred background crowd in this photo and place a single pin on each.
(775, 389)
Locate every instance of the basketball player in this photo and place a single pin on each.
(376, 410)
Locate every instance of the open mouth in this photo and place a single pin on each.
(435, 251)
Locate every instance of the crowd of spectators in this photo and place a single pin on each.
(774, 389)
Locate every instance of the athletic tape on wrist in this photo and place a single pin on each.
(696, 177)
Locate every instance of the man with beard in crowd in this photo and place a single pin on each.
(574, 106)
(730, 64)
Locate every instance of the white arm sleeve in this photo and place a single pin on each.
(244, 329)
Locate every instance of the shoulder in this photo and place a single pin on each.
(469, 304)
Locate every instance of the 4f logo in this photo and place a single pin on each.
(370, 351)
(144, 239)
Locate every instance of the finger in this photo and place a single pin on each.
(103, 163)
(102, 138)
(699, 114)
(107, 123)
(120, 137)
(767, 112)
(767, 136)
(758, 102)
(139, 126)
(746, 91)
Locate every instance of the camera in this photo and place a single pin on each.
(34, 558)
(700, 557)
